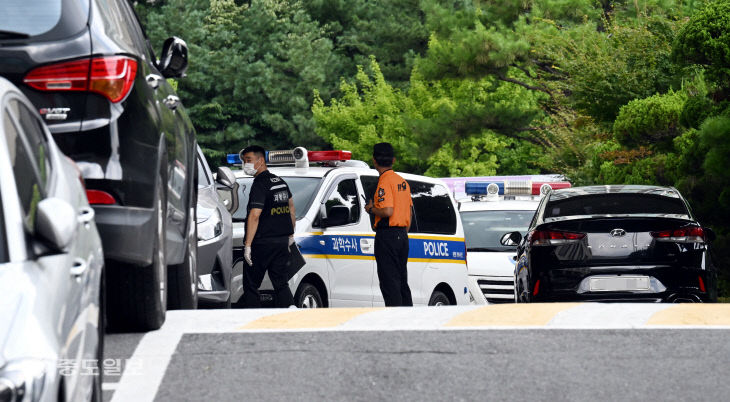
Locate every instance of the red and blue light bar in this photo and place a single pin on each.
(511, 187)
(288, 156)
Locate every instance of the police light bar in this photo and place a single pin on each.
(233, 159)
(329, 156)
(512, 187)
(537, 187)
(481, 188)
(299, 154)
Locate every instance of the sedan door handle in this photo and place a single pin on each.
(78, 268)
(153, 80)
(86, 215)
(172, 102)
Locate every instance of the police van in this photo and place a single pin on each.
(490, 207)
(335, 234)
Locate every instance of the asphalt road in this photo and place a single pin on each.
(485, 364)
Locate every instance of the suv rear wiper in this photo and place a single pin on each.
(13, 35)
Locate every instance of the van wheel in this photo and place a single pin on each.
(137, 296)
(438, 298)
(308, 297)
(182, 279)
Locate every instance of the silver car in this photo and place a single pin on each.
(216, 198)
(51, 266)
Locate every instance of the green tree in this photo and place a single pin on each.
(705, 40)
(252, 70)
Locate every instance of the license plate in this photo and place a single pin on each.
(619, 283)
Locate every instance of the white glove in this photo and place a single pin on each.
(247, 255)
(291, 240)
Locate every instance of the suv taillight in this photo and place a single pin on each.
(554, 237)
(111, 77)
(685, 234)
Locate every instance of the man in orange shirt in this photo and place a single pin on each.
(392, 209)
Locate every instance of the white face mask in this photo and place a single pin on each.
(250, 169)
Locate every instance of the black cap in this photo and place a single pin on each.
(383, 149)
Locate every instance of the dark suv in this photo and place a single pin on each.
(88, 68)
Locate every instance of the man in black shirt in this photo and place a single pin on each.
(269, 230)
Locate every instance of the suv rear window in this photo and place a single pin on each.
(46, 19)
(615, 204)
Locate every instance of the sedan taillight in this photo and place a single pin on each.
(111, 77)
(554, 237)
(686, 234)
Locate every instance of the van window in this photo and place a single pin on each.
(434, 212)
(303, 190)
(345, 194)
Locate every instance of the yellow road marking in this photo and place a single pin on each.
(308, 318)
(510, 315)
(692, 314)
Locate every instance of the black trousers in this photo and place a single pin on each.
(391, 257)
(272, 256)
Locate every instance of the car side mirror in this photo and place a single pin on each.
(227, 188)
(710, 234)
(511, 239)
(56, 223)
(338, 215)
(174, 61)
(225, 176)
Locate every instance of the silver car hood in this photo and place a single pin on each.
(207, 203)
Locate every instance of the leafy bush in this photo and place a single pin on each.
(649, 121)
(705, 40)
(696, 110)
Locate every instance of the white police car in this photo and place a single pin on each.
(336, 238)
(489, 208)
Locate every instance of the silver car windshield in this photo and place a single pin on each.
(303, 190)
(484, 229)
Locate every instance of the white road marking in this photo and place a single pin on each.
(154, 351)
(606, 316)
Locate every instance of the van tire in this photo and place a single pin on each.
(137, 296)
(439, 298)
(308, 297)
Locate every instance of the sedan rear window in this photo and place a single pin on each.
(616, 204)
(50, 19)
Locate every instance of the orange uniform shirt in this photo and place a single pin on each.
(393, 191)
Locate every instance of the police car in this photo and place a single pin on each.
(336, 238)
(489, 208)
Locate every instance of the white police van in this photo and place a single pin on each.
(336, 238)
(489, 208)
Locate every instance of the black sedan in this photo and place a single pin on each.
(614, 243)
